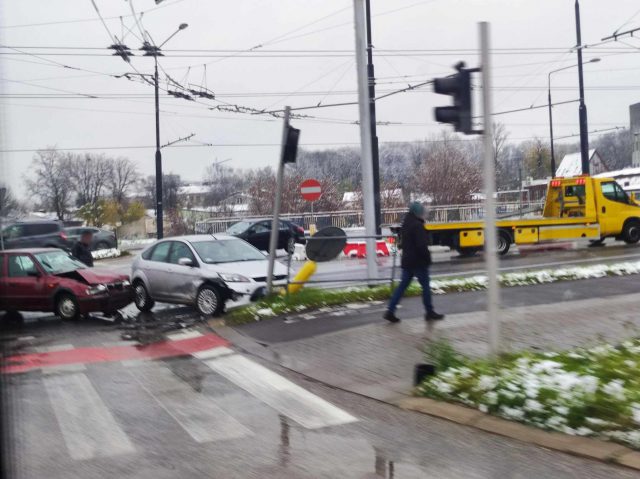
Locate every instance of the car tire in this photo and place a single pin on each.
(102, 245)
(631, 232)
(209, 301)
(141, 297)
(291, 245)
(67, 307)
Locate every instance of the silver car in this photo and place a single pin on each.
(201, 270)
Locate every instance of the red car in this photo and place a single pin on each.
(48, 279)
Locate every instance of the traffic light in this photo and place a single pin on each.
(458, 86)
(291, 146)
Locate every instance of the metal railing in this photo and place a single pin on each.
(355, 218)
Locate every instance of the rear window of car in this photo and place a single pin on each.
(159, 252)
(40, 229)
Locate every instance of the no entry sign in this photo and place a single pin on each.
(310, 190)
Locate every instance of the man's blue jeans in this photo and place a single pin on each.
(422, 274)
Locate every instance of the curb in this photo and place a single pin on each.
(590, 448)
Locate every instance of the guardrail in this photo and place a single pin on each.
(355, 218)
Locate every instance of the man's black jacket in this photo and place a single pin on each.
(415, 243)
(82, 253)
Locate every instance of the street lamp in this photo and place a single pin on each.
(553, 157)
(151, 50)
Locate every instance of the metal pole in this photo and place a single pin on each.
(553, 155)
(490, 254)
(372, 111)
(3, 194)
(366, 154)
(275, 228)
(159, 212)
(584, 138)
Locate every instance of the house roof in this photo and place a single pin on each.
(628, 178)
(571, 164)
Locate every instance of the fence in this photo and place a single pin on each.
(355, 218)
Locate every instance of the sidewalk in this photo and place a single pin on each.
(377, 360)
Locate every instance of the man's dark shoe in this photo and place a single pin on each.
(433, 316)
(392, 318)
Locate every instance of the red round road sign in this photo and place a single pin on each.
(310, 190)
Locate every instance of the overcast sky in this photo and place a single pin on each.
(529, 38)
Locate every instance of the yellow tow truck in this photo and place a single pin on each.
(575, 208)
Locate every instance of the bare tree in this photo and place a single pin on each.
(124, 175)
(89, 174)
(448, 174)
(537, 158)
(50, 181)
(10, 207)
(223, 182)
(615, 149)
(170, 185)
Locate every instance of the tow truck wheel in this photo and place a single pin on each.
(631, 232)
(504, 243)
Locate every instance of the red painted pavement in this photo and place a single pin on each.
(27, 362)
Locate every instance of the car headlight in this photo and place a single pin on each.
(97, 289)
(234, 278)
(126, 283)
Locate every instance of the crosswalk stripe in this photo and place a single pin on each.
(87, 426)
(198, 415)
(284, 396)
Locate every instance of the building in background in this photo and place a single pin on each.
(634, 114)
(571, 164)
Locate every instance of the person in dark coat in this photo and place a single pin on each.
(82, 249)
(416, 260)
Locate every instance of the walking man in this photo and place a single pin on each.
(415, 263)
(82, 249)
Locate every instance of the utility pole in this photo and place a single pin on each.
(584, 135)
(365, 140)
(275, 227)
(159, 211)
(553, 154)
(490, 233)
(372, 112)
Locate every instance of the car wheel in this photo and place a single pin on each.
(291, 245)
(631, 232)
(102, 245)
(142, 299)
(67, 307)
(208, 301)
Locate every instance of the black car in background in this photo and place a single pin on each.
(102, 239)
(258, 233)
(36, 234)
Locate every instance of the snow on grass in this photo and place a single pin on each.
(314, 298)
(106, 253)
(126, 244)
(584, 392)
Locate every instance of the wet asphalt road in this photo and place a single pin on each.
(179, 417)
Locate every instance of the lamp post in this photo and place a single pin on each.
(151, 50)
(553, 157)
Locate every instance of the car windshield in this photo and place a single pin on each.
(238, 228)
(56, 262)
(226, 251)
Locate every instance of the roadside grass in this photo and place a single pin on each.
(315, 298)
(584, 391)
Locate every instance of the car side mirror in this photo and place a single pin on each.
(185, 262)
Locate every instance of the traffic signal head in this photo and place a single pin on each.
(291, 146)
(458, 86)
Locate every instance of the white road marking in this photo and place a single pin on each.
(64, 368)
(184, 335)
(197, 413)
(289, 399)
(213, 353)
(88, 428)
(54, 348)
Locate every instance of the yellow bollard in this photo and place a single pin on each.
(303, 275)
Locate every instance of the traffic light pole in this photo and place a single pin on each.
(366, 155)
(490, 232)
(275, 228)
(375, 156)
(159, 212)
